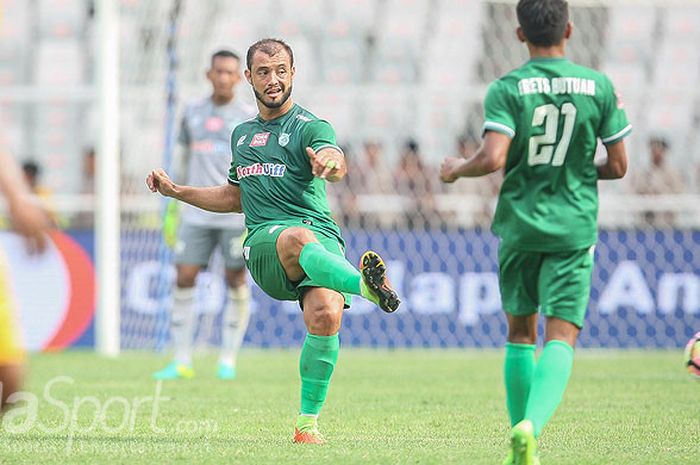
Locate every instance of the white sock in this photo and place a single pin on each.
(234, 324)
(182, 323)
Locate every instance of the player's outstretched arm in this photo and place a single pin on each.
(218, 199)
(490, 157)
(327, 163)
(615, 167)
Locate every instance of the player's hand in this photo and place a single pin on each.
(159, 181)
(323, 165)
(449, 169)
(32, 222)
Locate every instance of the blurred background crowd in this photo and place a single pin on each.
(400, 80)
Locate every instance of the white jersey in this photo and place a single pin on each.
(205, 133)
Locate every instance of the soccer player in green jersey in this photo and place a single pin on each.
(294, 250)
(542, 123)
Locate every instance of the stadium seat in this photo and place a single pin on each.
(59, 63)
(344, 61)
(338, 107)
(307, 14)
(385, 117)
(360, 13)
(682, 23)
(677, 65)
(631, 22)
(625, 76)
(61, 18)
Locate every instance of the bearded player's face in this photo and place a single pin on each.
(271, 78)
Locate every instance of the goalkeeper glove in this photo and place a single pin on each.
(171, 221)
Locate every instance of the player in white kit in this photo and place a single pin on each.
(204, 161)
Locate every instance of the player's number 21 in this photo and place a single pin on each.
(542, 150)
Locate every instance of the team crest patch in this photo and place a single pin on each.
(260, 139)
(283, 139)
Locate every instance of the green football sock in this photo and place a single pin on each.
(318, 357)
(518, 369)
(328, 269)
(549, 383)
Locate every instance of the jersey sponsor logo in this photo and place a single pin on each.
(305, 119)
(275, 170)
(241, 140)
(210, 146)
(283, 139)
(214, 124)
(260, 139)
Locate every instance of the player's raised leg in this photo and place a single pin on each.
(235, 322)
(323, 311)
(302, 255)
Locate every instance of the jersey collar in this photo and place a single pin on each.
(547, 59)
(279, 119)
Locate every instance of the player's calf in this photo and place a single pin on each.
(10, 382)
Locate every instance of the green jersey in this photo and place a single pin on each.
(273, 170)
(554, 111)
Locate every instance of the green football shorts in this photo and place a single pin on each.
(260, 254)
(559, 283)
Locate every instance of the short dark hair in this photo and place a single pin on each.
(269, 47)
(31, 168)
(411, 145)
(223, 53)
(543, 21)
(659, 140)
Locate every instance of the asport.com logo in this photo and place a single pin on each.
(53, 294)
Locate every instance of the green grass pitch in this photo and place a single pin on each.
(384, 407)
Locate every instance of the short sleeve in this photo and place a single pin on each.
(319, 134)
(233, 172)
(183, 137)
(614, 124)
(498, 114)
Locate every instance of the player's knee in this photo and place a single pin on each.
(323, 319)
(561, 330)
(186, 276)
(185, 281)
(522, 334)
(236, 279)
(522, 329)
(292, 240)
